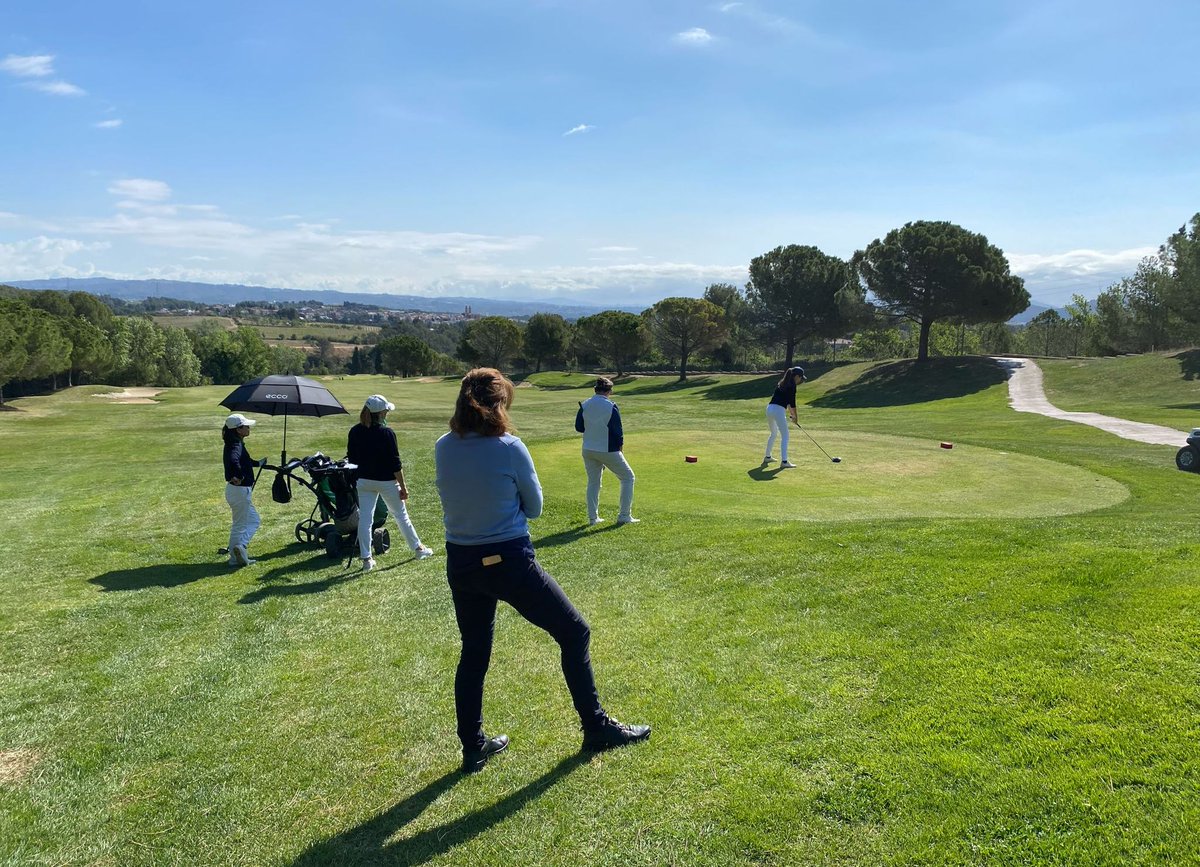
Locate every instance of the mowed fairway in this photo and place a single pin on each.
(984, 655)
(879, 476)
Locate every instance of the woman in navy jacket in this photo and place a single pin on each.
(781, 407)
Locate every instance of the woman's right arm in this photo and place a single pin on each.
(528, 486)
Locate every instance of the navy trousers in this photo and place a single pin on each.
(479, 577)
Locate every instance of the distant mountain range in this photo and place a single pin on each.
(231, 293)
(1033, 310)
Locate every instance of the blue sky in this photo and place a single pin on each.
(599, 152)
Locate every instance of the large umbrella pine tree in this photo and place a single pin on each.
(796, 292)
(928, 271)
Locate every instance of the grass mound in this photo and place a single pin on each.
(880, 477)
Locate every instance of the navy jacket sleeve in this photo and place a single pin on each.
(616, 434)
(579, 418)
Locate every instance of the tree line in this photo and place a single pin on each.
(926, 288)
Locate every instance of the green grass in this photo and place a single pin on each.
(984, 655)
(1159, 388)
(334, 331)
(180, 321)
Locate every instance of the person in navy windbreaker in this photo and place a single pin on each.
(599, 421)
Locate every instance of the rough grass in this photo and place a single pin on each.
(894, 688)
(1159, 388)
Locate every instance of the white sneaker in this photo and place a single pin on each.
(629, 520)
(768, 460)
(232, 562)
(424, 553)
(368, 564)
(787, 465)
(595, 521)
(241, 556)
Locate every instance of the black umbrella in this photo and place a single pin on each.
(284, 395)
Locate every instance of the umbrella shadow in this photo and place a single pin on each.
(368, 843)
(172, 574)
(158, 575)
(764, 473)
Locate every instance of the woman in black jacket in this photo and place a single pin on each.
(372, 445)
(781, 407)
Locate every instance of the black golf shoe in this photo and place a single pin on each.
(474, 760)
(613, 733)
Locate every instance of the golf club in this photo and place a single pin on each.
(817, 444)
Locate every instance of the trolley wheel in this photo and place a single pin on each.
(381, 540)
(323, 530)
(304, 531)
(333, 545)
(1188, 459)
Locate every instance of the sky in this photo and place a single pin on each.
(586, 151)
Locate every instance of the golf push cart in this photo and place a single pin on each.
(1188, 457)
(333, 522)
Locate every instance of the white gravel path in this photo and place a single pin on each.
(1025, 394)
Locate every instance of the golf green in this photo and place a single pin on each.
(879, 477)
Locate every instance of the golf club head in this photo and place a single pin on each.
(836, 460)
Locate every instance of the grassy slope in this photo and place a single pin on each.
(989, 690)
(1160, 388)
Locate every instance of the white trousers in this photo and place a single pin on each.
(777, 423)
(245, 516)
(369, 492)
(595, 462)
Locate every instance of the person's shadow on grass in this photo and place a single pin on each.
(764, 472)
(566, 537)
(367, 844)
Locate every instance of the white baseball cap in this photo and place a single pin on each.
(237, 420)
(379, 403)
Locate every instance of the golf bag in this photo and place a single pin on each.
(333, 522)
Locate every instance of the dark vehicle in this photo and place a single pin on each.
(333, 522)
(1188, 457)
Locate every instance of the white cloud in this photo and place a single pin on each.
(196, 242)
(57, 88)
(28, 66)
(108, 124)
(1080, 263)
(141, 189)
(1054, 277)
(37, 66)
(694, 36)
(39, 257)
(727, 7)
(583, 127)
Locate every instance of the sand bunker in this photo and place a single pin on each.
(132, 395)
(16, 765)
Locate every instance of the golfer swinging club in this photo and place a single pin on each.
(782, 405)
(599, 421)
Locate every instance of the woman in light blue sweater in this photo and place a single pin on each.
(490, 490)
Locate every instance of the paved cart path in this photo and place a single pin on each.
(1025, 394)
